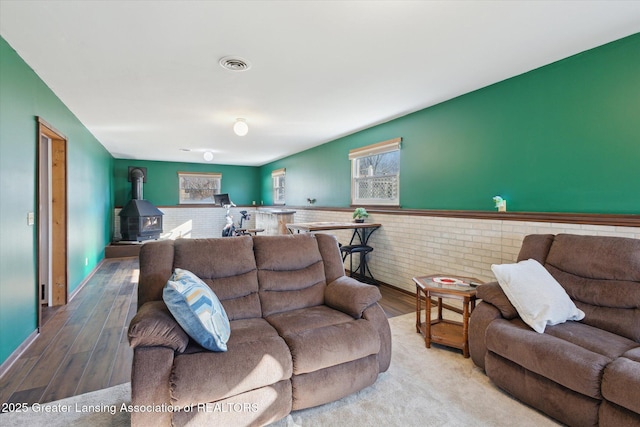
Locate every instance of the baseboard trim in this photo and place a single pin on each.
(381, 283)
(7, 364)
(86, 280)
(413, 294)
(395, 288)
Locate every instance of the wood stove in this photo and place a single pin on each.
(139, 219)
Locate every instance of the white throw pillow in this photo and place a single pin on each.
(539, 299)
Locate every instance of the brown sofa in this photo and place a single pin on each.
(582, 373)
(302, 333)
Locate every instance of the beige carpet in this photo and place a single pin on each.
(423, 387)
(98, 408)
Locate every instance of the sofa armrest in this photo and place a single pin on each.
(151, 386)
(481, 317)
(154, 326)
(378, 318)
(351, 296)
(494, 305)
(492, 293)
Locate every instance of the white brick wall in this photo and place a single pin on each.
(406, 246)
(192, 222)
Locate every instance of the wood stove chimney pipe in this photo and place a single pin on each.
(136, 176)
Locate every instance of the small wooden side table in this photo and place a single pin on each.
(443, 331)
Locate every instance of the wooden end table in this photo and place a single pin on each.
(443, 331)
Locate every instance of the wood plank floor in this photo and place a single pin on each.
(83, 346)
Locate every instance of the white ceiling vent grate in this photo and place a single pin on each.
(234, 63)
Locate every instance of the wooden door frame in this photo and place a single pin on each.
(59, 224)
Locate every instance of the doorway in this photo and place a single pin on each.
(52, 218)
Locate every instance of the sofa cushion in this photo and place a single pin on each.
(602, 275)
(621, 381)
(259, 407)
(326, 385)
(290, 272)
(228, 267)
(571, 354)
(330, 252)
(633, 354)
(256, 356)
(612, 415)
(156, 266)
(307, 318)
(596, 257)
(613, 305)
(592, 339)
(289, 252)
(536, 246)
(539, 299)
(567, 406)
(290, 290)
(315, 347)
(197, 309)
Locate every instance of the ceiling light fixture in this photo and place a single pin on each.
(240, 127)
(208, 156)
(233, 63)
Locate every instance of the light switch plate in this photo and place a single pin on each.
(31, 218)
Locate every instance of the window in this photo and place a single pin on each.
(277, 176)
(199, 187)
(375, 174)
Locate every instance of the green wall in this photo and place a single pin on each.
(23, 97)
(161, 188)
(561, 138)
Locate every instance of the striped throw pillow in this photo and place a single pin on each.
(197, 309)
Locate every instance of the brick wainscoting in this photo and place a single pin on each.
(406, 245)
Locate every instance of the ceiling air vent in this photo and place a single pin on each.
(234, 63)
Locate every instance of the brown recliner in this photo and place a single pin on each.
(584, 373)
(302, 333)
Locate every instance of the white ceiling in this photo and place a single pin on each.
(144, 78)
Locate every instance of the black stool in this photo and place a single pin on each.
(363, 250)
